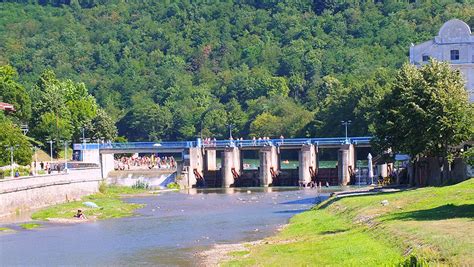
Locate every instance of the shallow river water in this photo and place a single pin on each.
(168, 231)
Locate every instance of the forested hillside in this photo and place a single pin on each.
(166, 70)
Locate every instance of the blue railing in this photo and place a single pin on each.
(288, 142)
(136, 145)
(226, 143)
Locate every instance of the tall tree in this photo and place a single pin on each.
(11, 136)
(426, 113)
(12, 92)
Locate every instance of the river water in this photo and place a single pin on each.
(169, 231)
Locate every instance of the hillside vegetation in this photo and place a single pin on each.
(421, 226)
(171, 69)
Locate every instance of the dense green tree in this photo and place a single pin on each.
(12, 92)
(266, 124)
(426, 112)
(236, 116)
(66, 102)
(11, 136)
(188, 57)
(469, 156)
(53, 127)
(281, 114)
(147, 123)
(103, 127)
(215, 122)
(81, 105)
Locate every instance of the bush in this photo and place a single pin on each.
(24, 171)
(173, 186)
(103, 187)
(140, 185)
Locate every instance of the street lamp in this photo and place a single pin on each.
(346, 123)
(11, 148)
(65, 156)
(230, 131)
(35, 149)
(84, 143)
(51, 149)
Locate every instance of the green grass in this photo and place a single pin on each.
(5, 229)
(431, 226)
(30, 226)
(109, 202)
(239, 253)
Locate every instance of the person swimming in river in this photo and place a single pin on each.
(80, 215)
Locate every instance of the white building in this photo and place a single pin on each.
(454, 44)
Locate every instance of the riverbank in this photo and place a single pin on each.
(431, 225)
(109, 201)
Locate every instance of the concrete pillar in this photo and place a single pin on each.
(91, 156)
(237, 163)
(346, 160)
(265, 163)
(210, 160)
(230, 157)
(269, 158)
(106, 164)
(195, 162)
(307, 159)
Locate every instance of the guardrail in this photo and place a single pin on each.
(287, 142)
(227, 143)
(135, 145)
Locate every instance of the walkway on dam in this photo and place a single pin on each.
(177, 146)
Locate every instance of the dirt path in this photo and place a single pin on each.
(222, 252)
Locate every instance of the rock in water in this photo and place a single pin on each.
(90, 204)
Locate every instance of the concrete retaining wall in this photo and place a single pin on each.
(26, 193)
(154, 178)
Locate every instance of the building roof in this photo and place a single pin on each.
(454, 31)
(6, 106)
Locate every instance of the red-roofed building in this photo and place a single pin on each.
(6, 106)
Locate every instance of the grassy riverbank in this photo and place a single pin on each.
(427, 225)
(109, 202)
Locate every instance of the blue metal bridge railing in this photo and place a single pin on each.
(226, 143)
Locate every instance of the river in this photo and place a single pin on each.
(169, 231)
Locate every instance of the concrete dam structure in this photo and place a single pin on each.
(198, 165)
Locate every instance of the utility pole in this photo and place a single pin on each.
(346, 123)
(83, 137)
(84, 143)
(65, 156)
(51, 149)
(11, 155)
(36, 159)
(230, 131)
(201, 130)
(11, 148)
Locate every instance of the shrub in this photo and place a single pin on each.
(103, 187)
(24, 171)
(173, 185)
(140, 185)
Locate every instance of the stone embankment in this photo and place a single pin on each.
(25, 193)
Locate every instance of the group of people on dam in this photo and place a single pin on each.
(140, 162)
